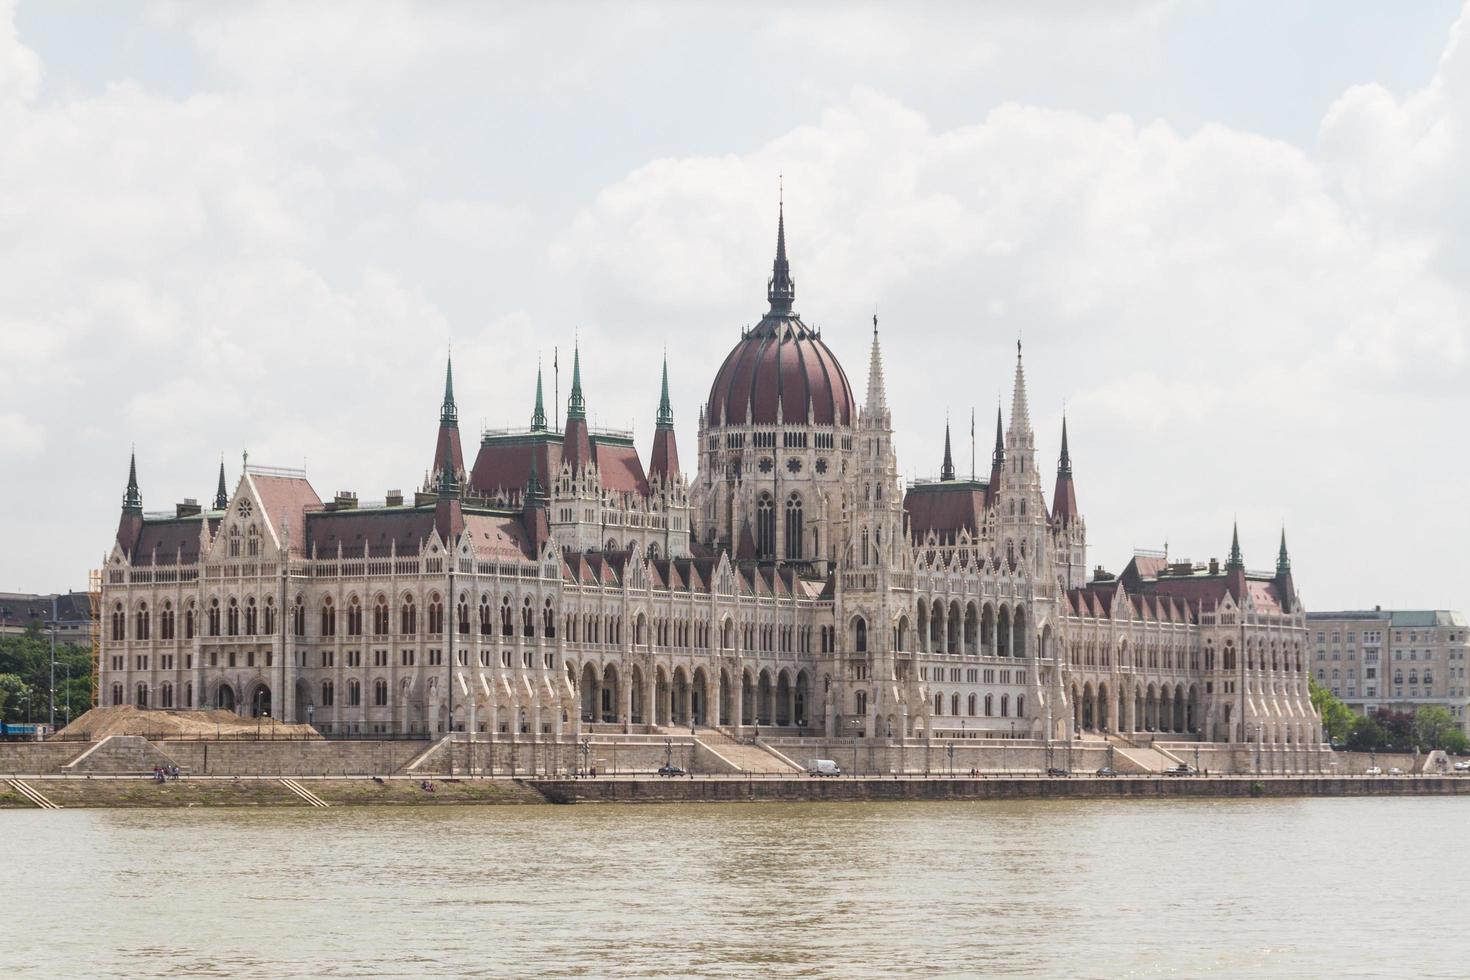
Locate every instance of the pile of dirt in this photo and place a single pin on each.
(127, 720)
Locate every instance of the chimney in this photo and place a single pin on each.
(189, 508)
(395, 498)
(344, 500)
(1214, 566)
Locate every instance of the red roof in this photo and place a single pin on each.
(778, 369)
(285, 500)
(945, 508)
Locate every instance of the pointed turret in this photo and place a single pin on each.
(997, 460)
(533, 509)
(538, 414)
(1235, 568)
(875, 408)
(1283, 560)
(132, 499)
(576, 446)
(447, 452)
(781, 290)
(221, 495)
(664, 461)
(1064, 499)
(1284, 584)
(130, 525)
(946, 469)
(1236, 560)
(1020, 415)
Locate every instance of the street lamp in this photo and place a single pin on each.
(311, 713)
(949, 749)
(856, 724)
(586, 754)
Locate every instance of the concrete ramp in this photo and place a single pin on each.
(118, 755)
(1141, 759)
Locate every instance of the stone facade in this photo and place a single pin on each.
(794, 584)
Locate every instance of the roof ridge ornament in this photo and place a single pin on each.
(781, 289)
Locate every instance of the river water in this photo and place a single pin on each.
(1179, 888)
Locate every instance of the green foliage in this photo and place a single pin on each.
(25, 670)
(1337, 718)
(1367, 735)
(1435, 728)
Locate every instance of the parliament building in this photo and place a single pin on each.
(790, 584)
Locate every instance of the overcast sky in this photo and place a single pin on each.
(1235, 239)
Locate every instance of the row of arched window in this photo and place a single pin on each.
(973, 701)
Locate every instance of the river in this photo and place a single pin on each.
(1182, 888)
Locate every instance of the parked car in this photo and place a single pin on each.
(1107, 771)
(823, 767)
(1462, 766)
(1054, 771)
(1395, 771)
(1373, 771)
(1180, 770)
(670, 771)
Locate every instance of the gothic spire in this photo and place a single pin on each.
(1064, 465)
(132, 499)
(946, 470)
(576, 406)
(999, 455)
(1020, 415)
(1283, 560)
(665, 409)
(538, 415)
(781, 290)
(448, 413)
(533, 485)
(877, 402)
(221, 496)
(1236, 560)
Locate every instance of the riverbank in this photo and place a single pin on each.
(136, 792)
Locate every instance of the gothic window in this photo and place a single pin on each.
(860, 635)
(232, 618)
(380, 617)
(765, 526)
(270, 616)
(380, 693)
(251, 617)
(793, 527)
(1020, 705)
(329, 617)
(119, 622)
(354, 617)
(507, 628)
(436, 614)
(989, 705)
(252, 542)
(548, 624)
(1005, 705)
(954, 704)
(793, 465)
(486, 620)
(939, 704)
(766, 464)
(970, 706)
(821, 466)
(329, 692)
(354, 693)
(234, 542)
(408, 617)
(298, 618)
(142, 629)
(528, 621)
(462, 611)
(189, 622)
(166, 622)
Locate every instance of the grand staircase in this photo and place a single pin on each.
(744, 756)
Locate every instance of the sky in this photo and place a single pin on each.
(1230, 235)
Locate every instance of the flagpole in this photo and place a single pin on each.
(556, 391)
(972, 443)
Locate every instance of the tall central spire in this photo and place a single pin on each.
(221, 495)
(1064, 465)
(1020, 412)
(781, 290)
(1236, 560)
(876, 405)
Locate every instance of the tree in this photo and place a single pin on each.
(13, 695)
(1435, 728)
(1337, 718)
(1367, 735)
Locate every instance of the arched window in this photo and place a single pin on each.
(528, 621)
(232, 618)
(214, 617)
(548, 625)
(270, 616)
(1020, 706)
(486, 620)
(354, 693)
(329, 617)
(860, 635)
(166, 695)
(166, 621)
(436, 614)
(463, 613)
(765, 526)
(119, 623)
(329, 691)
(507, 627)
(380, 693)
(380, 617)
(233, 542)
(793, 527)
(141, 695)
(938, 703)
(1005, 705)
(354, 617)
(142, 631)
(189, 621)
(989, 705)
(252, 622)
(408, 619)
(117, 697)
(971, 706)
(954, 704)
(252, 542)
(298, 617)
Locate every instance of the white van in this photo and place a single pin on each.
(823, 767)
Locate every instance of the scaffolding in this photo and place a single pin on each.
(94, 606)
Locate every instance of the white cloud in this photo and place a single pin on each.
(20, 68)
(478, 224)
(20, 436)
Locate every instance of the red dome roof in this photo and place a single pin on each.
(781, 364)
(781, 367)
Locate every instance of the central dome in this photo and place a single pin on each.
(780, 372)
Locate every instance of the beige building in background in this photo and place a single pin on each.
(1395, 659)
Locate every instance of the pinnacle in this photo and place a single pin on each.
(665, 410)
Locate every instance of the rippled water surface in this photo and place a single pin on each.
(1043, 888)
